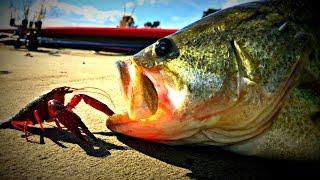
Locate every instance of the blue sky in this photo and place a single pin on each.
(170, 13)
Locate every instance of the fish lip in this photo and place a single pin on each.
(126, 81)
(122, 67)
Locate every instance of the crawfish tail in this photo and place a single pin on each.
(40, 104)
(5, 123)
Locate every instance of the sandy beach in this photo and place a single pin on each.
(25, 76)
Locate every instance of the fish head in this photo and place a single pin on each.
(216, 81)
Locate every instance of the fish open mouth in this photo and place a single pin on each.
(149, 100)
(139, 91)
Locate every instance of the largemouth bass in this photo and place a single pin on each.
(245, 78)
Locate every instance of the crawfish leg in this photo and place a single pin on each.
(22, 126)
(25, 130)
(36, 116)
(90, 101)
(19, 125)
(88, 133)
(72, 122)
(58, 124)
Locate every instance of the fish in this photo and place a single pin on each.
(245, 79)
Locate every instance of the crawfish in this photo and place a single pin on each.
(51, 106)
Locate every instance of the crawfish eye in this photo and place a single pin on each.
(163, 47)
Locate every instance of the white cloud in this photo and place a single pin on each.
(230, 3)
(140, 2)
(152, 2)
(89, 13)
(54, 22)
(192, 3)
(175, 18)
(65, 13)
(129, 5)
(163, 1)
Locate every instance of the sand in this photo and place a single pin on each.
(24, 77)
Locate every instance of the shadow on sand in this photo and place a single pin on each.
(204, 162)
(97, 149)
(211, 162)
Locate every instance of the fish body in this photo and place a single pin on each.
(245, 78)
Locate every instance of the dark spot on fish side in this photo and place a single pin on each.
(5, 72)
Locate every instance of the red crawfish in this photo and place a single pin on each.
(51, 106)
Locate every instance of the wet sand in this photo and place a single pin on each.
(114, 156)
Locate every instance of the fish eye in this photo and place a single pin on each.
(163, 47)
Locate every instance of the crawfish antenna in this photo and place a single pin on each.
(102, 92)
